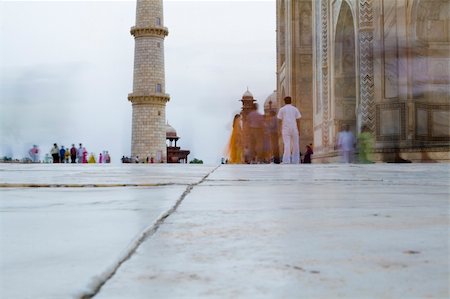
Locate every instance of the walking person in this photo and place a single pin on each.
(80, 153)
(346, 144)
(256, 130)
(289, 117)
(272, 127)
(365, 145)
(62, 153)
(34, 153)
(55, 153)
(67, 155)
(235, 144)
(308, 154)
(73, 154)
(107, 157)
(91, 159)
(85, 156)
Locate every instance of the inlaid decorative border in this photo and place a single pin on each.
(366, 36)
(324, 70)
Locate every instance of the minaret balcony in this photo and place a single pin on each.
(153, 98)
(155, 31)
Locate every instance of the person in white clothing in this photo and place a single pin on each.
(80, 154)
(289, 116)
(346, 144)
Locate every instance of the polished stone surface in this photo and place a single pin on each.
(246, 231)
(79, 175)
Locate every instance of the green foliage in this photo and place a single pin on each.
(196, 161)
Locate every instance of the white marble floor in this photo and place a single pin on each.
(238, 231)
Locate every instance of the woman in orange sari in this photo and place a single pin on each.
(235, 144)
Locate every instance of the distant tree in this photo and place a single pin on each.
(196, 161)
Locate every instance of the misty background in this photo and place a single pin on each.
(66, 69)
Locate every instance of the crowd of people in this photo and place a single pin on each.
(255, 139)
(136, 159)
(69, 155)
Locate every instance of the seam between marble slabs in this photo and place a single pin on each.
(97, 283)
(101, 185)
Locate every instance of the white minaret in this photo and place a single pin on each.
(149, 99)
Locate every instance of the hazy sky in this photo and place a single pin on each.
(66, 69)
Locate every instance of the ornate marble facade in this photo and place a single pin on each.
(380, 63)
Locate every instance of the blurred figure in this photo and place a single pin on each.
(309, 152)
(107, 157)
(272, 128)
(67, 155)
(365, 145)
(100, 158)
(91, 158)
(266, 150)
(247, 155)
(47, 158)
(289, 117)
(80, 153)
(34, 154)
(256, 134)
(346, 144)
(54, 151)
(62, 153)
(73, 154)
(235, 144)
(85, 153)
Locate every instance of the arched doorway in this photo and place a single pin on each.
(345, 91)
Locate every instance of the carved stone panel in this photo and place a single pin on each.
(390, 52)
(441, 125)
(433, 21)
(391, 122)
(432, 122)
(305, 24)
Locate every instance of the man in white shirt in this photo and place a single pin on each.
(290, 127)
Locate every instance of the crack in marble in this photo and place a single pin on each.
(98, 282)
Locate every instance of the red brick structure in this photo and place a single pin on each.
(174, 153)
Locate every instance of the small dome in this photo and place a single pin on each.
(271, 102)
(170, 131)
(247, 94)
